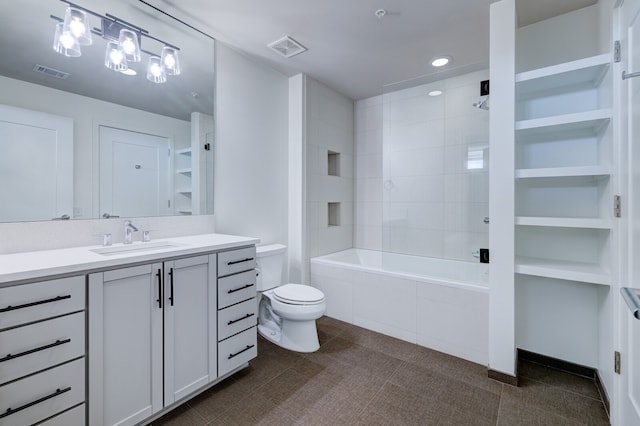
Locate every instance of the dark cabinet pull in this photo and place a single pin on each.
(240, 319)
(40, 302)
(11, 411)
(171, 285)
(238, 353)
(31, 351)
(159, 299)
(240, 288)
(233, 262)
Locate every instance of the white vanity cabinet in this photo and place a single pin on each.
(42, 352)
(237, 308)
(152, 328)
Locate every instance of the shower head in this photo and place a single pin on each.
(482, 104)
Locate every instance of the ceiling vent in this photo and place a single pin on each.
(287, 47)
(51, 72)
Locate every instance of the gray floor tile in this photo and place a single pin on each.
(359, 377)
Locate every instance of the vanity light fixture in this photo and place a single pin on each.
(440, 61)
(123, 39)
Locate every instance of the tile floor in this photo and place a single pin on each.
(359, 377)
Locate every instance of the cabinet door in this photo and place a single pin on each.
(125, 345)
(189, 319)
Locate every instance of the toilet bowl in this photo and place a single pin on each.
(287, 313)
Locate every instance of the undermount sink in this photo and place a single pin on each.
(135, 248)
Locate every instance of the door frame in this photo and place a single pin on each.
(95, 166)
(625, 186)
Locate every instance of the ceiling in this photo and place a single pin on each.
(352, 50)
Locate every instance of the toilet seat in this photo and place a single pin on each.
(298, 294)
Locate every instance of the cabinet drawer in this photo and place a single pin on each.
(32, 302)
(236, 318)
(25, 350)
(40, 396)
(236, 288)
(237, 350)
(74, 417)
(234, 261)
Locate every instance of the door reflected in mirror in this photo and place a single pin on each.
(138, 148)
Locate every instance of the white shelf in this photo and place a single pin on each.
(185, 211)
(185, 171)
(183, 151)
(587, 71)
(591, 121)
(563, 172)
(563, 270)
(564, 222)
(184, 191)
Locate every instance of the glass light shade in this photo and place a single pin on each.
(65, 43)
(114, 57)
(155, 70)
(130, 45)
(75, 21)
(170, 60)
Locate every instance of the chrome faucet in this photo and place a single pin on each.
(129, 229)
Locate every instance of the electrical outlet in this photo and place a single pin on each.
(484, 88)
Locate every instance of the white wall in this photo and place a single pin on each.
(567, 37)
(415, 191)
(87, 113)
(251, 148)
(329, 128)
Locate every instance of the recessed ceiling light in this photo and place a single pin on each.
(435, 93)
(441, 61)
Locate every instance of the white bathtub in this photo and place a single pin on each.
(436, 303)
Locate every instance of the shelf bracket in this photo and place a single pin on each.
(617, 206)
(617, 51)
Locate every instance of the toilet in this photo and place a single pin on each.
(287, 313)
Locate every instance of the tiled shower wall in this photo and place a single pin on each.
(329, 170)
(422, 171)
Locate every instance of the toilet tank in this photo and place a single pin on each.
(270, 260)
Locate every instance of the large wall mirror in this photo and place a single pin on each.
(81, 140)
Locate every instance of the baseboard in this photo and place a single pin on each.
(503, 377)
(558, 364)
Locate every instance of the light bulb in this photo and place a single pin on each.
(67, 40)
(77, 27)
(116, 56)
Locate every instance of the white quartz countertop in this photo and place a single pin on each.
(27, 266)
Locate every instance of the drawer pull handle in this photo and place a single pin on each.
(233, 262)
(31, 351)
(40, 302)
(238, 353)
(233, 290)
(11, 411)
(240, 319)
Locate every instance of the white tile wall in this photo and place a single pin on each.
(414, 192)
(329, 124)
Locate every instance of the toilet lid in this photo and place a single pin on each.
(298, 294)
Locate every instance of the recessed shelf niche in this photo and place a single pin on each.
(333, 163)
(334, 214)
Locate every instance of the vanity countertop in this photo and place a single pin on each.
(21, 267)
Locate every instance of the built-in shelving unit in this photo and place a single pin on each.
(183, 182)
(563, 168)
